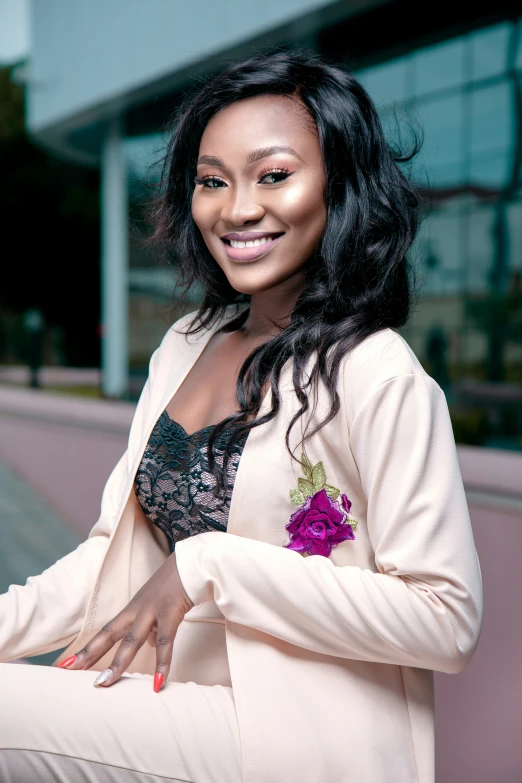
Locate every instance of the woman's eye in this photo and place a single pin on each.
(269, 178)
(275, 176)
(211, 183)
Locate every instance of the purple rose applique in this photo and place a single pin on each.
(347, 504)
(318, 526)
(321, 522)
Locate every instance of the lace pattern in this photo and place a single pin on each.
(174, 485)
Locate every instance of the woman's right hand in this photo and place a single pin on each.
(154, 614)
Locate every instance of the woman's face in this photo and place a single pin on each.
(259, 197)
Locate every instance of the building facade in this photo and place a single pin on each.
(103, 84)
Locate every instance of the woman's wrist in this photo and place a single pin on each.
(191, 555)
(186, 600)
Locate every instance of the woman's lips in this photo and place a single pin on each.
(250, 253)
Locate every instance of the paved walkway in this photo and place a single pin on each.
(32, 537)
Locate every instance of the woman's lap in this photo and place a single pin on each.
(55, 726)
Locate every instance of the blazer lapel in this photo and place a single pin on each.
(170, 377)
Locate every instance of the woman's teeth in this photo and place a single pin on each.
(251, 242)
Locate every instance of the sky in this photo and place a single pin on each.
(14, 31)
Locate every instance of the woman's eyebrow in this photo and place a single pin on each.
(267, 151)
(211, 160)
(264, 152)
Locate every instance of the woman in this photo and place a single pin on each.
(284, 581)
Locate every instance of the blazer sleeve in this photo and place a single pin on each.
(422, 606)
(47, 612)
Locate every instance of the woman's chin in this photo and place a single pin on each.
(249, 289)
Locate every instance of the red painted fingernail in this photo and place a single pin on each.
(159, 679)
(68, 662)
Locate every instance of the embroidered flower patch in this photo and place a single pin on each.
(322, 522)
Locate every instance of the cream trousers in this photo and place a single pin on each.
(55, 727)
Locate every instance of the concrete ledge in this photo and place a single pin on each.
(491, 471)
(494, 501)
(491, 476)
(106, 415)
(52, 376)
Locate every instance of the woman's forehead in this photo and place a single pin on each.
(261, 120)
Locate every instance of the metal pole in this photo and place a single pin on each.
(114, 264)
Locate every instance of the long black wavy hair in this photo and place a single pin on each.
(358, 281)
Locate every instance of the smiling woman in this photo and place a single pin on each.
(273, 195)
(227, 593)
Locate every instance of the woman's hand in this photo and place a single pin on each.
(153, 615)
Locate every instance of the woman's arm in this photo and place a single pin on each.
(47, 612)
(424, 606)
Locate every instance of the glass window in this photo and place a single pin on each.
(440, 66)
(514, 217)
(519, 37)
(143, 155)
(440, 253)
(440, 162)
(489, 50)
(481, 238)
(467, 330)
(153, 287)
(387, 83)
(491, 139)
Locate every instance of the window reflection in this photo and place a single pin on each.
(389, 82)
(468, 255)
(467, 329)
(488, 51)
(439, 67)
(154, 290)
(440, 162)
(491, 135)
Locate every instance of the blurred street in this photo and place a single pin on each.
(63, 446)
(32, 536)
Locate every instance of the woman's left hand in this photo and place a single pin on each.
(153, 615)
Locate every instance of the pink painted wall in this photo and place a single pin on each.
(479, 712)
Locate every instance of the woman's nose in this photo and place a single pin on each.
(240, 207)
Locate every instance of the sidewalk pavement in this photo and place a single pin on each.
(65, 447)
(32, 537)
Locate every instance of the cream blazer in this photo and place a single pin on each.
(330, 659)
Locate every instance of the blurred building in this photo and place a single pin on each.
(105, 76)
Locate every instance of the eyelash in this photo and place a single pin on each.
(264, 174)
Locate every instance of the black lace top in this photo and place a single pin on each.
(174, 486)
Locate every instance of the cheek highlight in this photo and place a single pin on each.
(300, 203)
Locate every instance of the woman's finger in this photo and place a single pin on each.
(100, 644)
(167, 625)
(134, 638)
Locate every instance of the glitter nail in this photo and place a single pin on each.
(103, 676)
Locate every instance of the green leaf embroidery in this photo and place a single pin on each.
(305, 486)
(296, 496)
(315, 481)
(318, 477)
(307, 466)
(333, 492)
